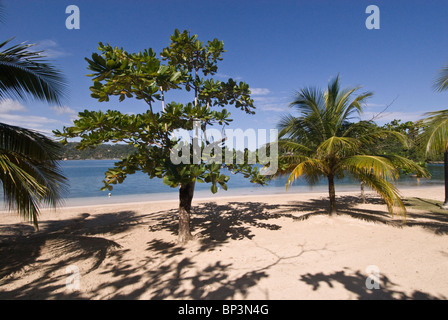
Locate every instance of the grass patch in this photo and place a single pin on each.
(425, 205)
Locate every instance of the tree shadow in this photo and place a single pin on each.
(433, 218)
(350, 206)
(346, 205)
(185, 279)
(355, 282)
(57, 245)
(214, 224)
(166, 266)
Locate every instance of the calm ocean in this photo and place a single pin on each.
(85, 178)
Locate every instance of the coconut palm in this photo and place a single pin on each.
(322, 142)
(435, 135)
(29, 171)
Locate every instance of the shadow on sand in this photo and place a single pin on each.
(163, 272)
(355, 284)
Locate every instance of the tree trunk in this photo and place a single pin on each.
(445, 205)
(186, 192)
(363, 195)
(332, 193)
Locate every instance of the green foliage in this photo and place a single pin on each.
(441, 83)
(143, 76)
(412, 149)
(435, 133)
(322, 142)
(29, 171)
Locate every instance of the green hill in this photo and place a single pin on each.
(105, 151)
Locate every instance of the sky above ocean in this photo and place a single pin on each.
(277, 47)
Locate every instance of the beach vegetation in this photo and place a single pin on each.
(186, 66)
(435, 136)
(329, 140)
(30, 174)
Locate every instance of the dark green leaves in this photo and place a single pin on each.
(140, 75)
(188, 53)
(143, 76)
(24, 73)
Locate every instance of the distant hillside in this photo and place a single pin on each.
(104, 151)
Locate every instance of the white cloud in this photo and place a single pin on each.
(38, 123)
(268, 102)
(27, 121)
(389, 116)
(63, 110)
(260, 91)
(14, 113)
(375, 105)
(50, 49)
(9, 105)
(273, 107)
(227, 76)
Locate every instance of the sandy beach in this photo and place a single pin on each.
(249, 247)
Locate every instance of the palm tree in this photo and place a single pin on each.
(435, 135)
(29, 170)
(322, 142)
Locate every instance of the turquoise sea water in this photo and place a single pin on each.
(85, 178)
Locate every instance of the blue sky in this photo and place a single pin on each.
(277, 47)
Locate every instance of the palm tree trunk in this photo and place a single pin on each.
(332, 193)
(186, 192)
(445, 204)
(363, 195)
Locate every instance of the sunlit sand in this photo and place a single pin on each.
(248, 247)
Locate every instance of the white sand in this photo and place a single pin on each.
(248, 247)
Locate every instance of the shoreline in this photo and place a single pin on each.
(206, 195)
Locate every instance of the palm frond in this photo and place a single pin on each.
(332, 94)
(435, 135)
(408, 165)
(378, 166)
(310, 103)
(441, 83)
(288, 126)
(312, 169)
(24, 74)
(373, 136)
(29, 171)
(377, 172)
(340, 146)
(356, 106)
(292, 146)
(387, 191)
(342, 103)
